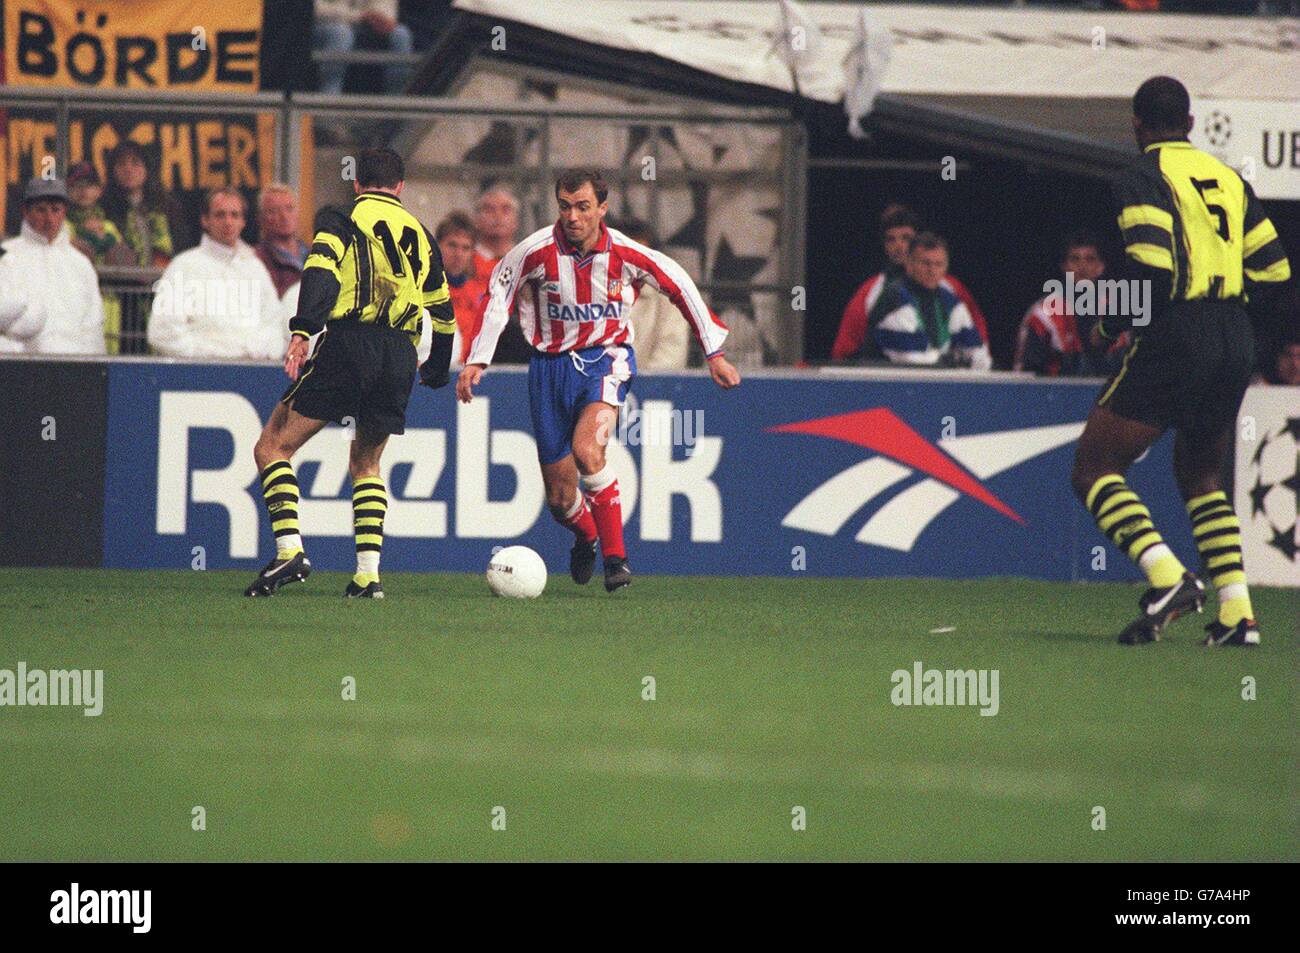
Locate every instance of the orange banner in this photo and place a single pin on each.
(210, 45)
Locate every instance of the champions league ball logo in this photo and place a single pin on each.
(1276, 486)
(1218, 129)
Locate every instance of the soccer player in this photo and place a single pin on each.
(371, 273)
(1195, 231)
(574, 283)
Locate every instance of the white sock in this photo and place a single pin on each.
(288, 544)
(368, 563)
(593, 483)
(1153, 555)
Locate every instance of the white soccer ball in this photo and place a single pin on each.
(517, 573)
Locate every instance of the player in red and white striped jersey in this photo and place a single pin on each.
(573, 284)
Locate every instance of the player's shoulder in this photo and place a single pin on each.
(623, 242)
(1143, 172)
(335, 220)
(535, 242)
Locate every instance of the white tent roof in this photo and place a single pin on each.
(943, 50)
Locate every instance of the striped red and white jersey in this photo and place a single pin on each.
(568, 300)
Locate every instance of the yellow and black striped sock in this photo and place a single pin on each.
(1218, 538)
(369, 504)
(1126, 521)
(280, 489)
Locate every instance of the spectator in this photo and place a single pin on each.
(217, 300)
(917, 320)
(1052, 340)
(456, 237)
(496, 220)
(143, 214)
(898, 226)
(21, 317)
(92, 233)
(661, 338)
(1286, 369)
(280, 249)
(54, 277)
(342, 25)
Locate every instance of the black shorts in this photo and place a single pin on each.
(361, 371)
(1189, 370)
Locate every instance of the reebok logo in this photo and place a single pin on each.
(953, 467)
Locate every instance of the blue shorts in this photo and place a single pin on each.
(560, 385)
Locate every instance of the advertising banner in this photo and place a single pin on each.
(1267, 484)
(787, 474)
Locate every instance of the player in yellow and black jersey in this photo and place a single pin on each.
(1196, 237)
(372, 274)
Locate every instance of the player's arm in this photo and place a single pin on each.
(436, 371)
(672, 281)
(1264, 262)
(507, 278)
(1146, 222)
(321, 282)
(319, 289)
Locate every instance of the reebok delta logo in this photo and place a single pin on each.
(954, 467)
(102, 907)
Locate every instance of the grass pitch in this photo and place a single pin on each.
(770, 694)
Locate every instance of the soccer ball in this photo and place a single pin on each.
(516, 572)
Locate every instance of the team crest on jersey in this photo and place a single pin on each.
(616, 288)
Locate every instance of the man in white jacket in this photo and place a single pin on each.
(49, 293)
(217, 300)
(21, 318)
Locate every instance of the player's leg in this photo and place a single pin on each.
(1108, 447)
(1199, 459)
(284, 434)
(596, 423)
(550, 404)
(1202, 455)
(369, 506)
(570, 510)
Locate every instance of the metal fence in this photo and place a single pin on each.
(528, 142)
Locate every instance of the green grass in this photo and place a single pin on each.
(770, 693)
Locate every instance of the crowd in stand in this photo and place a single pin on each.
(224, 298)
(219, 297)
(915, 312)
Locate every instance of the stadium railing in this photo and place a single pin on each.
(399, 118)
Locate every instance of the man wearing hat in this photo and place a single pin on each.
(42, 267)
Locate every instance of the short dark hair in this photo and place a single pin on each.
(210, 194)
(1082, 239)
(455, 222)
(898, 216)
(380, 168)
(1163, 104)
(574, 179)
(927, 241)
